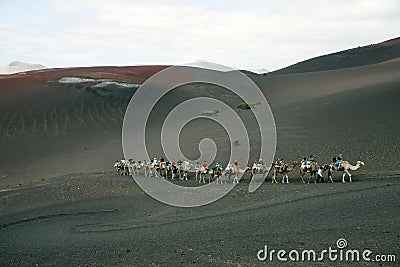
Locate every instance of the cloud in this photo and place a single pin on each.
(242, 34)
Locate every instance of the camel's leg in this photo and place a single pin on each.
(301, 177)
(287, 178)
(343, 176)
(349, 174)
(330, 177)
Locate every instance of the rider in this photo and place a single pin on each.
(205, 165)
(308, 162)
(228, 167)
(304, 164)
(255, 167)
(338, 162)
(281, 163)
(260, 162)
(218, 166)
(186, 164)
(197, 166)
(276, 164)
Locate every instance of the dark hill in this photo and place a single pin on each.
(360, 56)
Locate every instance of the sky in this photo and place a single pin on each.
(249, 34)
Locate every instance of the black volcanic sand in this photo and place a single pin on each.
(61, 204)
(105, 220)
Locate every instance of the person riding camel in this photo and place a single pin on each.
(281, 164)
(338, 162)
(260, 163)
(205, 165)
(276, 163)
(255, 167)
(218, 166)
(228, 167)
(304, 164)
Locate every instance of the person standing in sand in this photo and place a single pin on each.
(319, 174)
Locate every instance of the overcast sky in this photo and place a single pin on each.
(241, 34)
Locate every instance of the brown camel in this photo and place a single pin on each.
(312, 171)
(285, 169)
(236, 171)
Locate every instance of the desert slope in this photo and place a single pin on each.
(355, 57)
(57, 123)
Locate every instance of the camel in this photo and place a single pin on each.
(261, 170)
(197, 170)
(345, 167)
(169, 168)
(159, 168)
(236, 171)
(313, 169)
(285, 169)
(134, 167)
(183, 170)
(120, 167)
(149, 167)
(203, 171)
(218, 175)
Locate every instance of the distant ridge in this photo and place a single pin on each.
(355, 57)
(17, 66)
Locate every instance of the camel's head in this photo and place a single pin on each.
(361, 163)
(295, 163)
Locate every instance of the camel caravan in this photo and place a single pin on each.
(203, 173)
